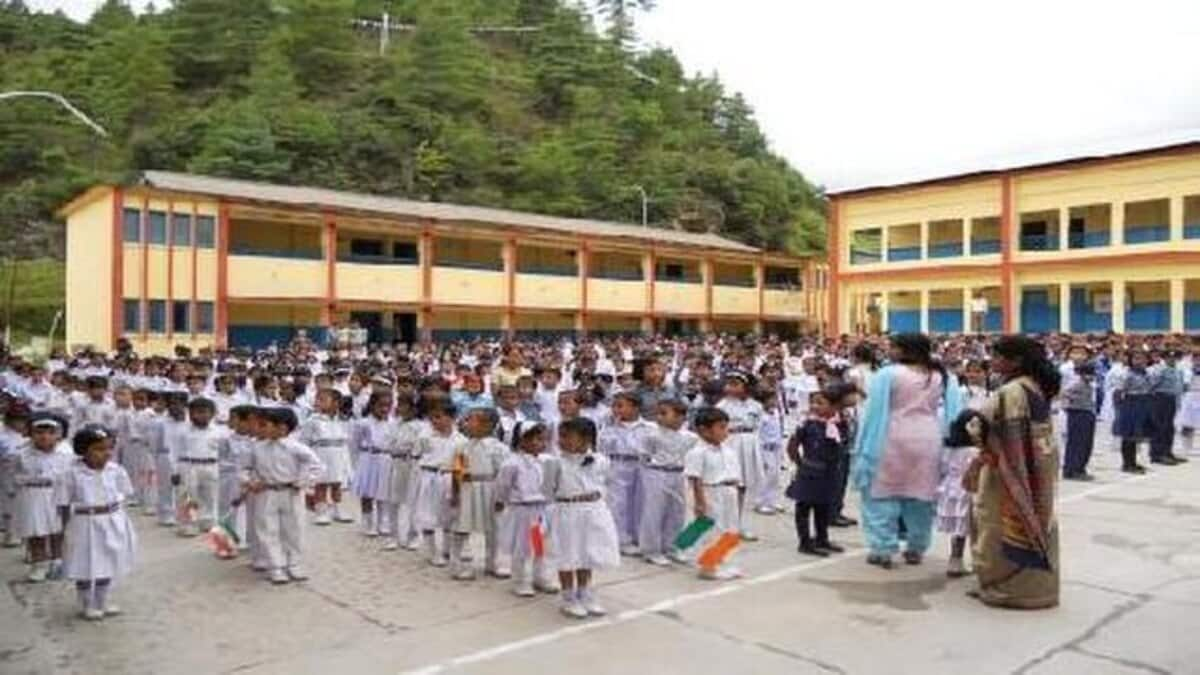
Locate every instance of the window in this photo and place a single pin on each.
(204, 317)
(157, 316)
(157, 228)
(366, 247)
(406, 251)
(205, 235)
(133, 316)
(131, 221)
(181, 316)
(181, 229)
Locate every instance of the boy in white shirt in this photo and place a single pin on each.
(714, 473)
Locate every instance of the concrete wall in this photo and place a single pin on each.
(89, 274)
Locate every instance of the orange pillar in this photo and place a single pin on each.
(330, 305)
(1006, 254)
(222, 309)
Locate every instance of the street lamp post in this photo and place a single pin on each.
(645, 203)
(92, 124)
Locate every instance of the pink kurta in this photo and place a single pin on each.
(909, 465)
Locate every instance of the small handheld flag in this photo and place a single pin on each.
(714, 555)
(692, 533)
(187, 509)
(537, 539)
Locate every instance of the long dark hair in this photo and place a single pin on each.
(917, 349)
(864, 353)
(1030, 359)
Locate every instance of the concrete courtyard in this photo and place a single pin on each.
(1130, 604)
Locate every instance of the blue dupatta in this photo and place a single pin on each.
(873, 425)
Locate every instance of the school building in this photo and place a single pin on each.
(171, 259)
(1110, 241)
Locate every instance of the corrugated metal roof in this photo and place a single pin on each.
(319, 198)
(1042, 158)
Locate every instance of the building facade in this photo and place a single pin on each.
(1103, 243)
(176, 259)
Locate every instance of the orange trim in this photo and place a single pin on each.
(117, 287)
(584, 264)
(427, 253)
(834, 317)
(170, 269)
(708, 272)
(938, 271)
(1146, 258)
(762, 288)
(329, 305)
(1006, 253)
(222, 309)
(145, 273)
(194, 309)
(510, 282)
(651, 279)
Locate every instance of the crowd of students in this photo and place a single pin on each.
(560, 456)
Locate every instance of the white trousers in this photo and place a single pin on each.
(625, 499)
(664, 510)
(279, 527)
(201, 484)
(769, 492)
(164, 498)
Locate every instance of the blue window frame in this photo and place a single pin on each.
(205, 231)
(901, 253)
(156, 228)
(131, 226)
(181, 229)
(952, 249)
(132, 321)
(157, 316)
(1146, 234)
(204, 317)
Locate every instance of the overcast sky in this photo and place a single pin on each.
(858, 91)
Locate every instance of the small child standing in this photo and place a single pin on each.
(12, 443)
(38, 469)
(520, 490)
(171, 410)
(328, 435)
(277, 472)
(1078, 401)
(409, 429)
(196, 469)
(100, 540)
(664, 490)
(1133, 423)
(770, 441)
(623, 443)
(1189, 414)
(745, 416)
(582, 534)
(436, 458)
(372, 436)
(714, 475)
(816, 450)
(953, 500)
(476, 465)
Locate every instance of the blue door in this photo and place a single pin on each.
(1037, 315)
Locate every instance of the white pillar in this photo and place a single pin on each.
(1177, 304)
(883, 312)
(1118, 230)
(1064, 228)
(883, 243)
(1064, 307)
(1177, 218)
(924, 309)
(924, 239)
(967, 317)
(1118, 306)
(966, 236)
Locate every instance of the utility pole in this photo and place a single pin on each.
(645, 204)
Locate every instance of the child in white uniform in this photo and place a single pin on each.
(745, 416)
(370, 440)
(172, 427)
(405, 473)
(12, 443)
(583, 536)
(137, 454)
(770, 442)
(623, 442)
(520, 490)
(664, 490)
(37, 470)
(196, 468)
(276, 473)
(328, 435)
(476, 465)
(714, 475)
(100, 540)
(436, 460)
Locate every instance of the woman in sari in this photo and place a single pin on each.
(898, 449)
(1013, 479)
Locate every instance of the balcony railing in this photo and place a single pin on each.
(783, 285)
(1191, 231)
(376, 259)
(238, 249)
(858, 257)
(1146, 234)
(1097, 239)
(679, 280)
(617, 275)
(549, 270)
(490, 266)
(736, 283)
(985, 246)
(1039, 242)
(951, 249)
(904, 253)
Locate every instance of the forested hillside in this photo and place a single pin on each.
(567, 115)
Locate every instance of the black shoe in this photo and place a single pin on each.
(912, 557)
(809, 548)
(1136, 468)
(1178, 459)
(880, 561)
(842, 521)
(1163, 460)
(830, 547)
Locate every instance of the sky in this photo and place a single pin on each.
(861, 92)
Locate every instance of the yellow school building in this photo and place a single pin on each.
(177, 259)
(1104, 242)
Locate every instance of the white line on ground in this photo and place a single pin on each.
(681, 600)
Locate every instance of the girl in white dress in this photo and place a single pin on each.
(39, 467)
(409, 429)
(100, 541)
(583, 535)
(370, 440)
(953, 501)
(475, 465)
(329, 435)
(521, 491)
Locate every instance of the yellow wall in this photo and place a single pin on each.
(457, 286)
(268, 236)
(254, 277)
(89, 275)
(614, 324)
(544, 322)
(156, 272)
(616, 296)
(542, 290)
(131, 271)
(378, 283)
(445, 320)
(206, 274)
(264, 314)
(678, 298)
(469, 250)
(783, 303)
(181, 273)
(732, 326)
(730, 300)
(161, 346)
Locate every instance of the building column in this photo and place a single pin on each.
(1178, 323)
(706, 275)
(923, 304)
(427, 252)
(580, 324)
(967, 230)
(883, 312)
(648, 273)
(1118, 306)
(968, 318)
(924, 240)
(329, 246)
(1008, 299)
(116, 289)
(221, 308)
(760, 279)
(583, 261)
(1064, 228)
(1177, 218)
(883, 243)
(508, 254)
(1117, 236)
(1064, 307)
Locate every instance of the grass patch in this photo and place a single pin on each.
(38, 290)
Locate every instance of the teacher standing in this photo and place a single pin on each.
(899, 447)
